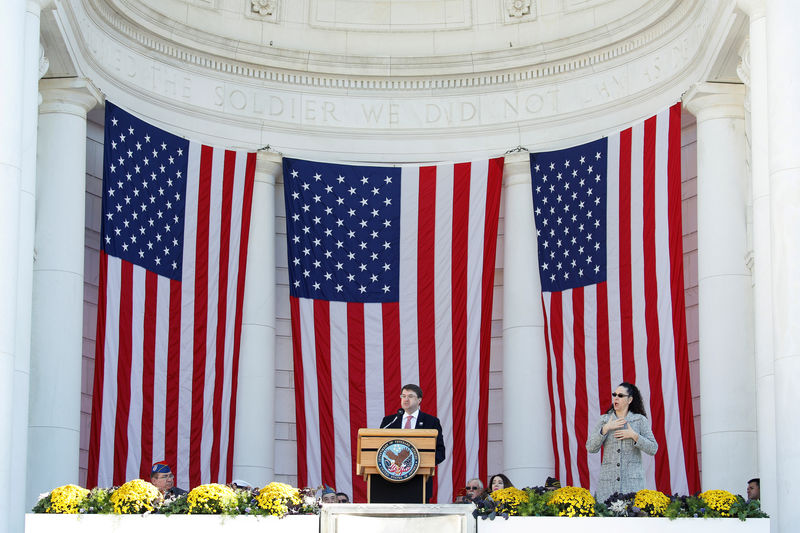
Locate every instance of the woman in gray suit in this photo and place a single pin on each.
(624, 433)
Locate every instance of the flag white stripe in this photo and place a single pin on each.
(160, 369)
(373, 367)
(443, 304)
(592, 392)
(340, 391)
(187, 319)
(475, 240)
(212, 314)
(106, 458)
(310, 391)
(612, 261)
(570, 377)
(137, 345)
(409, 339)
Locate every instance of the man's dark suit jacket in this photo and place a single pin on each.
(424, 421)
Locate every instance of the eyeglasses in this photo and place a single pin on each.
(409, 396)
(472, 488)
(618, 395)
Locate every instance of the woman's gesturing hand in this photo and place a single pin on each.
(626, 434)
(612, 425)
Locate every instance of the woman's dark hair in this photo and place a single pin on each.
(637, 405)
(506, 482)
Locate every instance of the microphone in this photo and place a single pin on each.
(396, 416)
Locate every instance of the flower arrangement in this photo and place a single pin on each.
(509, 500)
(652, 502)
(719, 501)
(212, 498)
(277, 499)
(572, 501)
(618, 504)
(68, 499)
(134, 497)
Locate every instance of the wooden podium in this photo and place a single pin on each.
(383, 490)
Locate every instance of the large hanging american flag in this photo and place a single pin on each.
(391, 273)
(608, 223)
(176, 217)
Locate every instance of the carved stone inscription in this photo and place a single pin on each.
(293, 106)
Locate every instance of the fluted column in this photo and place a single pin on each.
(57, 314)
(783, 66)
(36, 65)
(727, 365)
(527, 448)
(753, 71)
(254, 448)
(12, 39)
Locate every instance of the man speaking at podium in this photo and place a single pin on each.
(410, 417)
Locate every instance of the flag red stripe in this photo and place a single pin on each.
(581, 400)
(229, 169)
(244, 239)
(322, 344)
(458, 310)
(200, 315)
(356, 372)
(550, 390)
(426, 312)
(557, 336)
(123, 373)
(493, 191)
(300, 415)
(99, 376)
(650, 304)
(678, 304)
(391, 355)
(604, 385)
(173, 377)
(625, 288)
(148, 371)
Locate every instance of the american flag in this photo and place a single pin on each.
(391, 272)
(176, 217)
(608, 226)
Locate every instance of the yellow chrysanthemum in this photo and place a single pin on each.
(572, 501)
(652, 502)
(134, 497)
(276, 497)
(510, 497)
(719, 500)
(211, 499)
(67, 499)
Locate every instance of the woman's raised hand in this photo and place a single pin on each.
(613, 425)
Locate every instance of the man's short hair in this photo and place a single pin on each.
(414, 388)
(756, 480)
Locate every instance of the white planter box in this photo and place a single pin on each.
(552, 524)
(46, 523)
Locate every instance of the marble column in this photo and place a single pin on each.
(527, 448)
(57, 314)
(36, 64)
(753, 71)
(12, 65)
(727, 364)
(254, 447)
(783, 66)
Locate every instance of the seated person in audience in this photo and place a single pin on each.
(328, 495)
(498, 482)
(474, 490)
(341, 497)
(754, 489)
(164, 480)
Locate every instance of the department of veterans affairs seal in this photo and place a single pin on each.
(398, 460)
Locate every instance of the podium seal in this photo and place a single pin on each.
(398, 460)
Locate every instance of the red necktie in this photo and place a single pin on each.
(408, 422)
